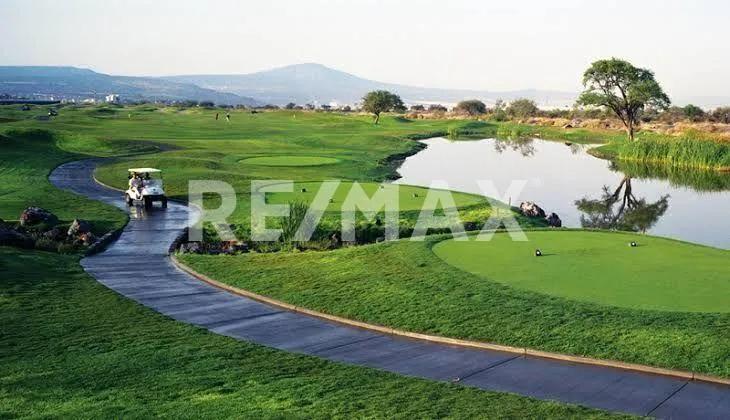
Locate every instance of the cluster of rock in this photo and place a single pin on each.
(40, 229)
(532, 210)
(214, 248)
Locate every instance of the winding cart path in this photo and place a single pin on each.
(137, 266)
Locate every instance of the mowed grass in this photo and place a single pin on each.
(372, 196)
(72, 348)
(404, 284)
(26, 159)
(601, 267)
(290, 160)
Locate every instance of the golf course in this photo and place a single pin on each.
(662, 303)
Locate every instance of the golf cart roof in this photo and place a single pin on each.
(143, 170)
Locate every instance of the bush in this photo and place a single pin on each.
(46, 244)
(721, 115)
(672, 115)
(522, 108)
(694, 113)
(471, 107)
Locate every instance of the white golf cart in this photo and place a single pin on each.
(145, 184)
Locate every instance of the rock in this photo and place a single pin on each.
(78, 227)
(191, 248)
(33, 215)
(530, 209)
(12, 237)
(553, 220)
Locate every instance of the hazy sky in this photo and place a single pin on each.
(500, 45)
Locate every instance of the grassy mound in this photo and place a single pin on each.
(26, 159)
(290, 160)
(600, 267)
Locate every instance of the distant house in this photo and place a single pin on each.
(112, 98)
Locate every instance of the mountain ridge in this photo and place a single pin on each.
(79, 83)
(314, 82)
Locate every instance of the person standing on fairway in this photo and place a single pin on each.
(228, 116)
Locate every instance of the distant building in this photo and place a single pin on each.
(112, 98)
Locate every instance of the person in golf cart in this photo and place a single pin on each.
(145, 188)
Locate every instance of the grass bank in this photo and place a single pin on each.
(686, 152)
(405, 285)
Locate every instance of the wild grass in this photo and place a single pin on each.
(692, 150)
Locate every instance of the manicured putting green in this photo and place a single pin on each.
(409, 198)
(290, 160)
(601, 267)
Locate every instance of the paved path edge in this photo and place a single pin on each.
(524, 351)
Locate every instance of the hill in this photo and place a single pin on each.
(311, 82)
(77, 83)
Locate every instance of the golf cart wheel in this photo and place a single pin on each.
(129, 200)
(164, 202)
(147, 203)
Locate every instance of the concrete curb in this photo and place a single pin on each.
(692, 376)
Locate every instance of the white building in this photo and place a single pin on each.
(112, 98)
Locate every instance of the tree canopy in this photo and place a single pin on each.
(624, 89)
(379, 101)
(471, 107)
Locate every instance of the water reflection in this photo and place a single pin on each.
(621, 210)
(523, 146)
(698, 180)
(560, 176)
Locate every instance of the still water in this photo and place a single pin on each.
(583, 190)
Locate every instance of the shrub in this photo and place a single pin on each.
(721, 115)
(471, 107)
(694, 113)
(522, 108)
(46, 244)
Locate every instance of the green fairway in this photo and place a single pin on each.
(290, 160)
(408, 198)
(26, 159)
(600, 267)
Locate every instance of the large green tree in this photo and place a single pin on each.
(626, 90)
(379, 101)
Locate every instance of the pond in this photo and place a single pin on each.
(583, 190)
